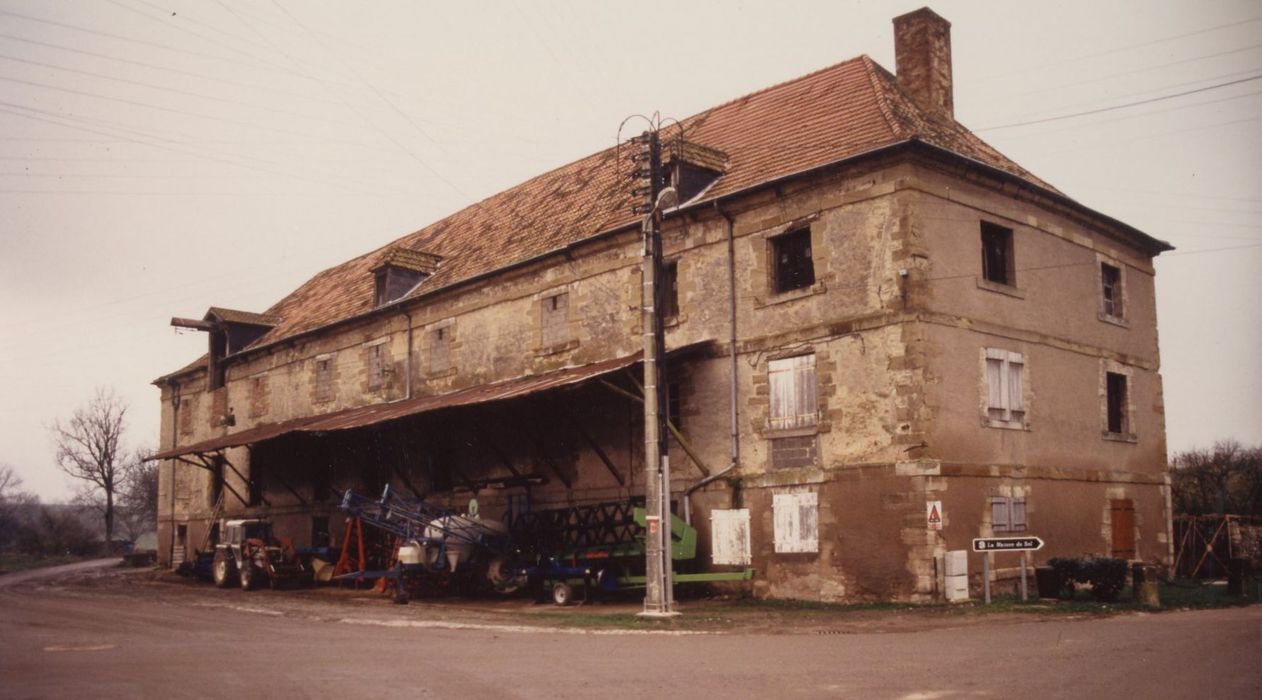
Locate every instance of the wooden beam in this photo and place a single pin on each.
(679, 437)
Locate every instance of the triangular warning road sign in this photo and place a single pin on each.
(935, 518)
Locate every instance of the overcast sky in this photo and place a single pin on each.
(158, 157)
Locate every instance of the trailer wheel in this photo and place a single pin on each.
(222, 569)
(562, 593)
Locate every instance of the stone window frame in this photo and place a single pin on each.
(985, 280)
(795, 521)
(1127, 433)
(765, 292)
(812, 420)
(1123, 303)
(1007, 420)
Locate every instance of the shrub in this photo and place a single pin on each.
(1106, 576)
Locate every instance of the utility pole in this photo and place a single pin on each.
(658, 596)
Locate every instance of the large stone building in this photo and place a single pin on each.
(885, 338)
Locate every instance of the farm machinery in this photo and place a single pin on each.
(599, 547)
(251, 555)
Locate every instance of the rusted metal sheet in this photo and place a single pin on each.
(379, 413)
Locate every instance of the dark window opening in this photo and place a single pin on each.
(218, 350)
(1116, 402)
(393, 283)
(997, 259)
(1111, 289)
(670, 290)
(794, 268)
(691, 180)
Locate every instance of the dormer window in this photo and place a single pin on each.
(400, 272)
(230, 331)
(691, 169)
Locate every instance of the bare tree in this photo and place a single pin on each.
(1226, 479)
(89, 447)
(140, 495)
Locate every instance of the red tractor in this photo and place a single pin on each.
(250, 554)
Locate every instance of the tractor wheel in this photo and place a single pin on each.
(223, 569)
(562, 593)
(503, 580)
(249, 576)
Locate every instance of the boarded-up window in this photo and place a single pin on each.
(186, 416)
(1122, 515)
(258, 396)
(1005, 387)
(440, 350)
(1007, 513)
(554, 323)
(729, 530)
(324, 378)
(376, 366)
(793, 401)
(796, 522)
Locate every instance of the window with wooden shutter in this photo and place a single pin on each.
(1005, 388)
(796, 522)
(793, 399)
(729, 537)
(1007, 513)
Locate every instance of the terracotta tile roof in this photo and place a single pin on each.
(408, 259)
(248, 318)
(829, 115)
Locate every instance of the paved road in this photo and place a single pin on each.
(53, 572)
(68, 641)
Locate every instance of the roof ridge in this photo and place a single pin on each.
(882, 99)
(776, 86)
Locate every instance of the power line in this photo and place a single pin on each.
(1122, 106)
(1120, 49)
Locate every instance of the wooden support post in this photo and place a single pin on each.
(679, 437)
(986, 574)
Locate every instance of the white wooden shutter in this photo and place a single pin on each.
(729, 537)
(794, 402)
(796, 518)
(1016, 386)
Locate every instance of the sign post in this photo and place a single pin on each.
(986, 545)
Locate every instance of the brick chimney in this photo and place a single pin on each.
(922, 55)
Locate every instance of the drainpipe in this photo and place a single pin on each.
(175, 438)
(735, 426)
(407, 365)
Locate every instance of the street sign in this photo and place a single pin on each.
(1007, 544)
